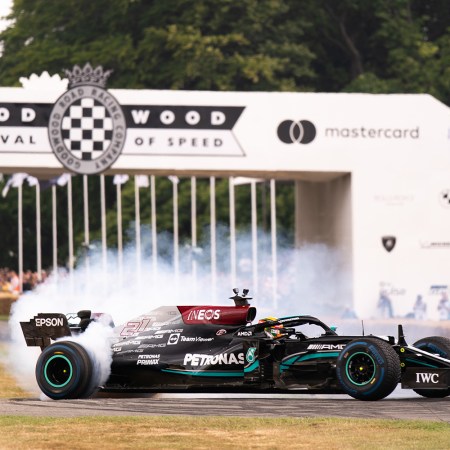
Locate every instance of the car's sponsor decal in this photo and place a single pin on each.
(250, 356)
(136, 350)
(421, 377)
(203, 314)
(288, 319)
(49, 321)
(326, 346)
(244, 333)
(134, 327)
(178, 330)
(199, 359)
(148, 360)
(162, 345)
(195, 339)
(173, 339)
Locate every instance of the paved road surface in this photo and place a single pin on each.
(255, 406)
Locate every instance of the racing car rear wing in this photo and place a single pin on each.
(45, 327)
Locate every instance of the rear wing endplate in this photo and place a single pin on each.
(45, 327)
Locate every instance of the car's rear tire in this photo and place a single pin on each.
(368, 369)
(64, 370)
(441, 346)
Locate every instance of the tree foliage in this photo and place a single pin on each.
(376, 46)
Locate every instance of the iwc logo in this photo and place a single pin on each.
(87, 126)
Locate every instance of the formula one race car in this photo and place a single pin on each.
(217, 349)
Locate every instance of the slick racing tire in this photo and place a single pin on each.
(64, 370)
(440, 346)
(368, 369)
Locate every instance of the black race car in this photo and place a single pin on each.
(218, 349)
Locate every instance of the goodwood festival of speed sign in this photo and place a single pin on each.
(87, 131)
(87, 126)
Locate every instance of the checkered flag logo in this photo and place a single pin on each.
(87, 129)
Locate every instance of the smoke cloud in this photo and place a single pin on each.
(311, 280)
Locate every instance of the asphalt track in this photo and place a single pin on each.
(397, 406)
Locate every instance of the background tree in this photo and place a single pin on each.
(377, 46)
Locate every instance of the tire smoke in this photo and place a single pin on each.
(310, 280)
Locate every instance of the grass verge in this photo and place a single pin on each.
(219, 433)
(8, 386)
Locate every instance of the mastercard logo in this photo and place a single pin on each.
(300, 132)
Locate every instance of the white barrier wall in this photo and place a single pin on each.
(396, 149)
(413, 207)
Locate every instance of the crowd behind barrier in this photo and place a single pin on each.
(385, 307)
(10, 282)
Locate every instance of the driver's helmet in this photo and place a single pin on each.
(275, 331)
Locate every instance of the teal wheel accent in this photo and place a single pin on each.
(58, 371)
(360, 368)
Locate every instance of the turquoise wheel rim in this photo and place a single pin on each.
(360, 368)
(58, 371)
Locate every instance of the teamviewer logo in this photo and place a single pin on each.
(300, 132)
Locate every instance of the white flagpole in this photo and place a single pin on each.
(38, 232)
(154, 235)
(86, 219)
(55, 231)
(254, 237)
(137, 209)
(119, 227)
(20, 231)
(103, 220)
(70, 220)
(175, 230)
(232, 233)
(212, 188)
(273, 229)
(194, 232)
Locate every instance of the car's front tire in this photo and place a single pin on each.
(440, 346)
(64, 370)
(368, 369)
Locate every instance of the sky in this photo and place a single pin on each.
(5, 6)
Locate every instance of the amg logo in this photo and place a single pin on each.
(427, 378)
(326, 346)
(49, 322)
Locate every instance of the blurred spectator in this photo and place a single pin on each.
(384, 305)
(14, 282)
(348, 313)
(9, 280)
(444, 307)
(420, 308)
